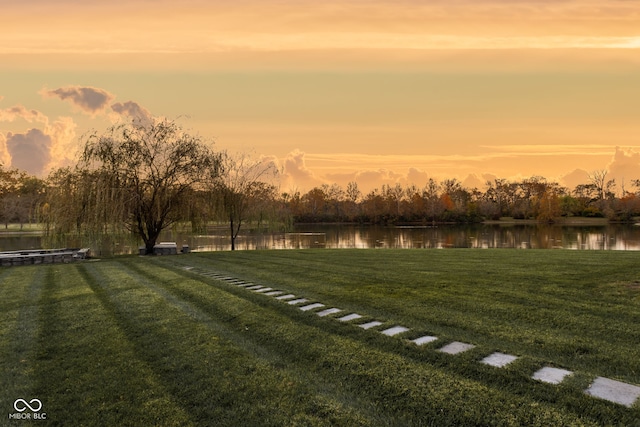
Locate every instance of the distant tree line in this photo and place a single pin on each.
(144, 178)
(533, 198)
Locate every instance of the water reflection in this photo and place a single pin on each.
(610, 237)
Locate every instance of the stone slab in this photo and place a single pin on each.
(551, 375)
(274, 293)
(255, 287)
(424, 340)
(244, 285)
(370, 324)
(285, 297)
(614, 391)
(328, 311)
(394, 331)
(350, 317)
(456, 347)
(311, 306)
(499, 360)
(297, 301)
(263, 290)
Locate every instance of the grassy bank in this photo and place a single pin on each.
(143, 341)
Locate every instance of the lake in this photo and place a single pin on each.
(606, 237)
(611, 237)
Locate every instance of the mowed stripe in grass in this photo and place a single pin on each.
(578, 310)
(215, 380)
(217, 354)
(19, 329)
(414, 388)
(87, 369)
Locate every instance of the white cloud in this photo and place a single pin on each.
(20, 112)
(624, 167)
(30, 151)
(575, 178)
(5, 157)
(37, 150)
(63, 142)
(296, 174)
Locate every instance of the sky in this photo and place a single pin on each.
(372, 91)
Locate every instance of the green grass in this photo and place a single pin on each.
(17, 228)
(142, 341)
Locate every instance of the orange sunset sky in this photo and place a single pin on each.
(372, 91)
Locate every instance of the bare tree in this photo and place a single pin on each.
(145, 169)
(598, 179)
(241, 185)
(353, 195)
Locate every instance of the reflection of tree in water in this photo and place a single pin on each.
(612, 237)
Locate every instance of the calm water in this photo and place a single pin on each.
(475, 236)
(611, 237)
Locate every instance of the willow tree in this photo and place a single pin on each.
(242, 190)
(147, 172)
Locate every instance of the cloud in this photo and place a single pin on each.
(624, 167)
(20, 112)
(625, 162)
(133, 110)
(295, 173)
(53, 146)
(575, 178)
(64, 144)
(29, 151)
(417, 177)
(89, 100)
(474, 181)
(5, 157)
(369, 179)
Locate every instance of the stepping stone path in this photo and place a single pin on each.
(274, 293)
(311, 306)
(602, 388)
(370, 324)
(614, 391)
(329, 311)
(395, 330)
(424, 340)
(499, 360)
(350, 317)
(551, 375)
(456, 347)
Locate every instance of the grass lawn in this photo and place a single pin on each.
(133, 341)
(17, 228)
